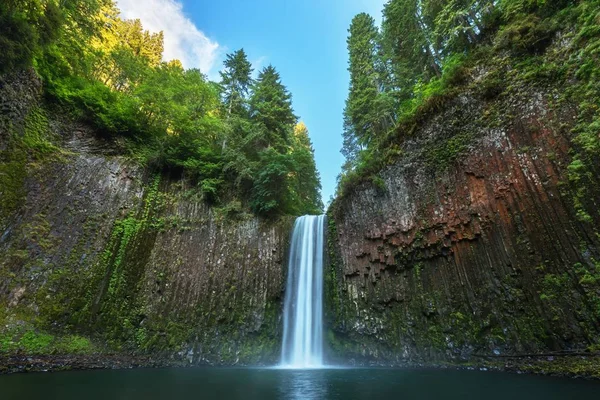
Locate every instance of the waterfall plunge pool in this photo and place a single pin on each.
(302, 348)
(267, 384)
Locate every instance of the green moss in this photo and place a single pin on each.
(31, 342)
(74, 344)
(570, 366)
(584, 91)
(334, 303)
(530, 331)
(36, 137)
(492, 86)
(105, 303)
(527, 35)
(443, 155)
(27, 146)
(12, 180)
(379, 183)
(38, 232)
(554, 285)
(35, 343)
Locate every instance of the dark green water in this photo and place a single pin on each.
(266, 384)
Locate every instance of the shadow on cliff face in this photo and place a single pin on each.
(93, 244)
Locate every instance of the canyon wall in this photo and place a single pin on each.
(469, 244)
(93, 244)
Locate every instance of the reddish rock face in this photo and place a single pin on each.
(479, 255)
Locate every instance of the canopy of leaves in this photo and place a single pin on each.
(234, 140)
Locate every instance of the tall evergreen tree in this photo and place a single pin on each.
(362, 49)
(236, 80)
(306, 184)
(454, 25)
(271, 109)
(350, 145)
(408, 43)
(29, 27)
(369, 110)
(270, 194)
(142, 43)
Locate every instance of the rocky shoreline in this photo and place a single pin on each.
(575, 367)
(55, 363)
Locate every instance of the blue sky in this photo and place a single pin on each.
(304, 39)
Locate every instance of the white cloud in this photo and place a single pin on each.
(183, 40)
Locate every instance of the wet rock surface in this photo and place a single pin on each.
(53, 363)
(134, 260)
(479, 252)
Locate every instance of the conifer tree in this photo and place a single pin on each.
(369, 111)
(454, 25)
(362, 47)
(408, 44)
(271, 109)
(350, 145)
(306, 182)
(236, 80)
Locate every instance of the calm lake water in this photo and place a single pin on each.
(265, 384)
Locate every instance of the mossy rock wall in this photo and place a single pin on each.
(472, 242)
(92, 244)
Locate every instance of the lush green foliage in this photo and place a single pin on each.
(362, 113)
(585, 65)
(425, 50)
(399, 71)
(23, 337)
(232, 140)
(25, 30)
(236, 80)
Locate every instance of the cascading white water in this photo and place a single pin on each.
(303, 309)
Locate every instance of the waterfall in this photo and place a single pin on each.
(303, 309)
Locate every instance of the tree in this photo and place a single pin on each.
(236, 80)
(364, 86)
(455, 25)
(408, 44)
(25, 30)
(271, 109)
(306, 184)
(270, 192)
(142, 43)
(124, 50)
(81, 25)
(369, 111)
(18, 39)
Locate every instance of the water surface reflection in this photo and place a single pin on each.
(303, 384)
(276, 384)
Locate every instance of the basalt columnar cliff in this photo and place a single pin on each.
(470, 243)
(94, 247)
(483, 256)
